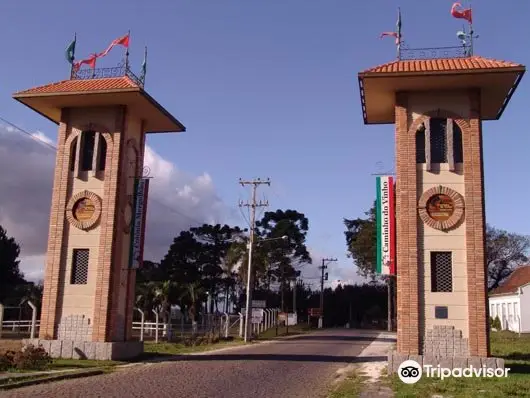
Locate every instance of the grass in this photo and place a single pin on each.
(516, 352)
(164, 348)
(284, 331)
(350, 387)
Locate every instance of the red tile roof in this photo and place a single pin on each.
(519, 277)
(79, 85)
(442, 65)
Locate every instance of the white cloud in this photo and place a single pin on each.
(342, 272)
(177, 200)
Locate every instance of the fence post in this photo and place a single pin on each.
(142, 322)
(240, 325)
(156, 325)
(169, 329)
(33, 319)
(1, 319)
(227, 324)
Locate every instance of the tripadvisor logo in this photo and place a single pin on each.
(410, 372)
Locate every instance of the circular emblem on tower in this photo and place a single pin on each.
(441, 208)
(84, 210)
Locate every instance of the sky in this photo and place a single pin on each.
(265, 89)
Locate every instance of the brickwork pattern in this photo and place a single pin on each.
(86, 224)
(52, 275)
(102, 305)
(455, 218)
(75, 328)
(475, 231)
(407, 227)
(407, 232)
(445, 341)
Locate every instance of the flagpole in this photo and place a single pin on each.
(72, 66)
(399, 34)
(127, 52)
(471, 31)
(144, 66)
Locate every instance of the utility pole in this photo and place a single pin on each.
(250, 280)
(324, 276)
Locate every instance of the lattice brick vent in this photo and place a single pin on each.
(80, 267)
(442, 272)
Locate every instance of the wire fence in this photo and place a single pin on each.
(168, 330)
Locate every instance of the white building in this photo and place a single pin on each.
(511, 301)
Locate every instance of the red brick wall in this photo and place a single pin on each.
(407, 228)
(54, 259)
(475, 232)
(103, 313)
(407, 234)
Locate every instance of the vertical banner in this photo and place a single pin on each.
(386, 226)
(141, 189)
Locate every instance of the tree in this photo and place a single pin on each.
(216, 242)
(361, 239)
(10, 274)
(182, 262)
(504, 252)
(282, 256)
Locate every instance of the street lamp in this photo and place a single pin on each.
(249, 285)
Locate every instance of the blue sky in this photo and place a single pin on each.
(269, 89)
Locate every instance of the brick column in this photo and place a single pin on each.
(103, 301)
(475, 232)
(54, 273)
(408, 341)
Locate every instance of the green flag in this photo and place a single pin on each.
(70, 51)
(144, 64)
(398, 24)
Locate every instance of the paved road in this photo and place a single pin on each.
(302, 366)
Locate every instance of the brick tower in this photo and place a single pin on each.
(437, 106)
(89, 284)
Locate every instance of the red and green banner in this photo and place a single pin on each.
(386, 226)
(141, 189)
(91, 60)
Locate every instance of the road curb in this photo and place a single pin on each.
(43, 380)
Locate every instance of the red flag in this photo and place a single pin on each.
(122, 41)
(392, 34)
(458, 12)
(91, 61)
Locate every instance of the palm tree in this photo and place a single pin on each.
(193, 294)
(229, 264)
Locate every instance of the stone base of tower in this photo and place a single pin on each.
(103, 351)
(444, 346)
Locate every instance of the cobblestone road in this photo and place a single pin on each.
(303, 366)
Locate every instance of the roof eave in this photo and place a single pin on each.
(503, 294)
(19, 99)
(520, 70)
(181, 127)
(22, 94)
(368, 74)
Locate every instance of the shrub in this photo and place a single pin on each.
(31, 358)
(495, 323)
(5, 362)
